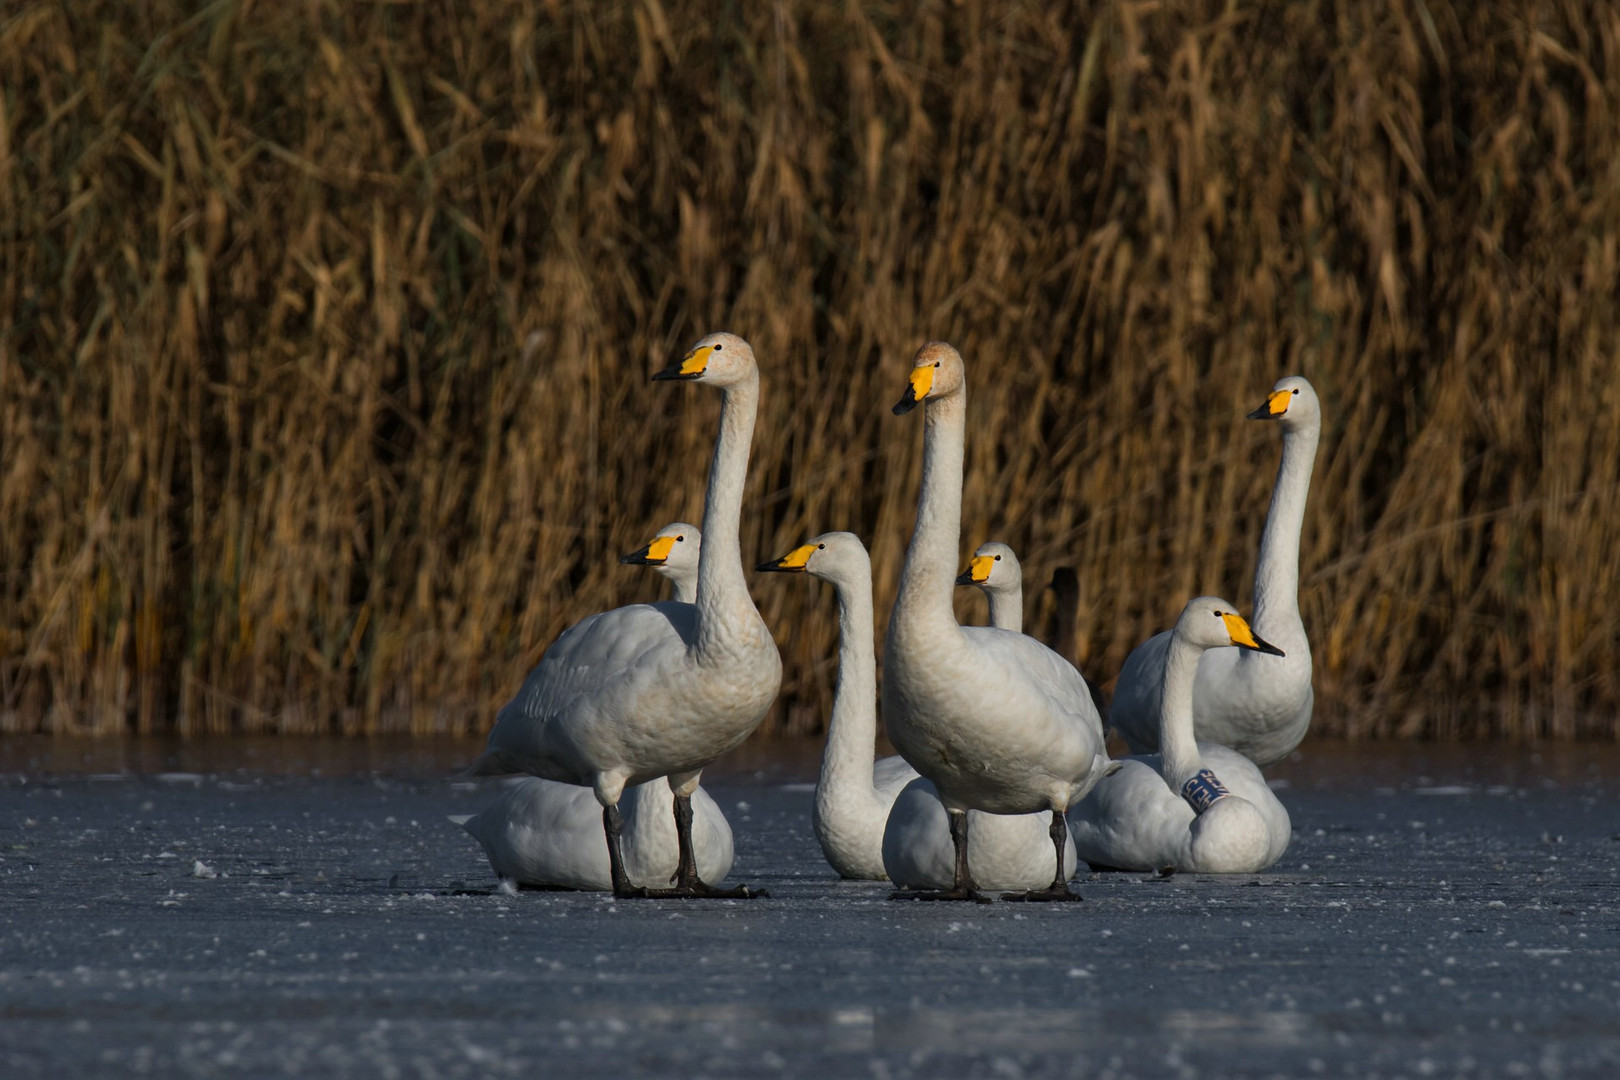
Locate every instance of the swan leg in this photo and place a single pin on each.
(962, 887)
(613, 825)
(686, 883)
(1059, 889)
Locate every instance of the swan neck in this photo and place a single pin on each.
(846, 761)
(722, 591)
(1178, 747)
(1276, 575)
(685, 587)
(1007, 610)
(930, 571)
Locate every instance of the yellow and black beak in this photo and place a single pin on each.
(1244, 637)
(654, 554)
(1276, 404)
(978, 571)
(917, 386)
(794, 562)
(691, 366)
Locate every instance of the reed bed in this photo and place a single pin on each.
(325, 331)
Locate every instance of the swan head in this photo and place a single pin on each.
(936, 372)
(993, 567)
(720, 358)
(673, 551)
(1210, 623)
(1292, 402)
(834, 556)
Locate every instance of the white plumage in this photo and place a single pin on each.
(1143, 817)
(996, 720)
(549, 834)
(1258, 705)
(877, 820)
(652, 690)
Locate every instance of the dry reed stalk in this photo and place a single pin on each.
(324, 333)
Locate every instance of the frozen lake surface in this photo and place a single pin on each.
(1448, 912)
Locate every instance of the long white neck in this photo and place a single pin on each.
(846, 762)
(924, 597)
(722, 592)
(1179, 760)
(1007, 609)
(685, 586)
(1276, 575)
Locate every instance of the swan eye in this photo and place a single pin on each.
(1296, 389)
(998, 558)
(717, 348)
(680, 539)
(936, 363)
(821, 547)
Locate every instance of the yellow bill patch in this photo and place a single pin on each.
(922, 381)
(796, 559)
(979, 568)
(1239, 630)
(1277, 402)
(696, 361)
(658, 551)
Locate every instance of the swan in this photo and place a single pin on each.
(880, 820)
(673, 554)
(994, 569)
(1195, 806)
(853, 793)
(996, 720)
(650, 690)
(549, 834)
(1258, 705)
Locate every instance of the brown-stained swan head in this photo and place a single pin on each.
(936, 372)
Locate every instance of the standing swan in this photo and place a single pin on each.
(995, 570)
(878, 820)
(1194, 806)
(1258, 705)
(996, 720)
(549, 834)
(650, 690)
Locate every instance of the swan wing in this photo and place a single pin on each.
(1134, 711)
(599, 666)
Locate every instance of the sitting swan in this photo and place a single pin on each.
(1258, 705)
(994, 569)
(996, 720)
(546, 833)
(860, 835)
(650, 690)
(1194, 806)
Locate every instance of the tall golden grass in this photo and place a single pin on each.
(325, 331)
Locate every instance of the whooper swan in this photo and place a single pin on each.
(859, 834)
(995, 571)
(1258, 705)
(549, 834)
(653, 690)
(1005, 851)
(1194, 806)
(996, 720)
